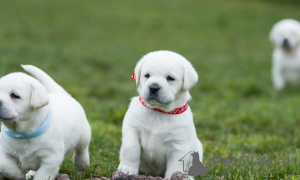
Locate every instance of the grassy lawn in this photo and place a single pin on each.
(91, 48)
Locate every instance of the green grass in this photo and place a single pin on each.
(91, 48)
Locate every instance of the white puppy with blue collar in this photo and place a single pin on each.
(41, 123)
(158, 129)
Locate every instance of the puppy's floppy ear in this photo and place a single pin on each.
(137, 71)
(39, 96)
(273, 34)
(190, 76)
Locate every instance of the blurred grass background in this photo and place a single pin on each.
(91, 48)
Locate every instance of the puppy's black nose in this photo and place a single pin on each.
(154, 89)
(285, 43)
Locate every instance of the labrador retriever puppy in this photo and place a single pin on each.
(158, 128)
(285, 35)
(41, 123)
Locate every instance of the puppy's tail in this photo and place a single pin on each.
(45, 79)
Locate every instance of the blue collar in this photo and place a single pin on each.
(34, 134)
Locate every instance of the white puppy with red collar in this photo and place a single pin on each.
(158, 128)
(285, 35)
(41, 123)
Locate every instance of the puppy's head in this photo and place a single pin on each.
(20, 96)
(163, 79)
(286, 34)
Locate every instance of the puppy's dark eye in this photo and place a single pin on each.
(169, 78)
(147, 75)
(15, 96)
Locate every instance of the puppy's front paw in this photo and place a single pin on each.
(127, 169)
(30, 174)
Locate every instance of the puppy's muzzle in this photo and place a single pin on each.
(153, 89)
(3, 113)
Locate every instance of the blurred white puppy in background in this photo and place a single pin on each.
(285, 35)
(158, 128)
(41, 122)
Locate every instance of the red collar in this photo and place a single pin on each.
(133, 76)
(174, 112)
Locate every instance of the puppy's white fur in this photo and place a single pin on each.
(153, 142)
(68, 131)
(285, 36)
